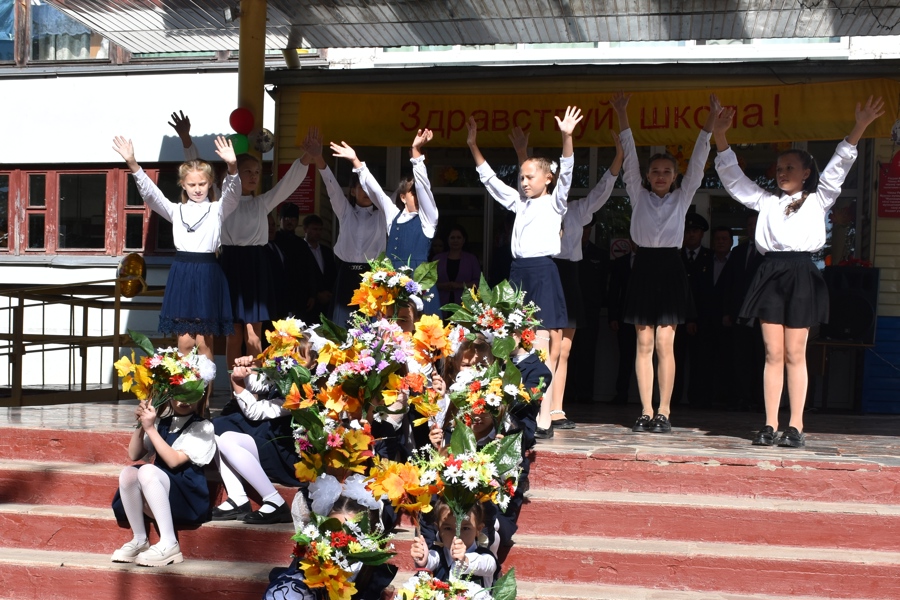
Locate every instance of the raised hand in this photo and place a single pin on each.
(181, 123)
(616, 165)
(312, 143)
(619, 101)
(343, 151)
(472, 136)
(572, 117)
(423, 136)
(519, 141)
(714, 105)
(723, 119)
(419, 551)
(126, 150)
(871, 111)
(226, 152)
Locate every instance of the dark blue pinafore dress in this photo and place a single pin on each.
(188, 491)
(408, 245)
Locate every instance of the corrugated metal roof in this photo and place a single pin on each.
(191, 25)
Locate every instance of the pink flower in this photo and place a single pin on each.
(334, 440)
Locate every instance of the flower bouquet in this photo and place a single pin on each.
(498, 314)
(281, 360)
(405, 485)
(328, 445)
(330, 552)
(384, 286)
(424, 586)
(165, 374)
(467, 475)
(481, 390)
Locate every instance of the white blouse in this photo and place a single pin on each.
(538, 220)
(579, 214)
(802, 231)
(198, 441)
(196, 226)
(249, 225)
(363, 235)
(659, 222)
(428, 213)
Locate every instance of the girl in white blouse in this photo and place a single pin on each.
(363, 229)
(657, 298)
(536, 239)
(196, 305)
(788, 294)
(244, 258)
(172, 488)
(410, 229)
(578, 214)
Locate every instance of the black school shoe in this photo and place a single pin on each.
(563, 423)
(765, 437)
(544, 434)
(642, 425)
(281, 514)
(792, 438)
(660, 424)
(230, 514)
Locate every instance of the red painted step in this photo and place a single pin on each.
(787, 475)
(65, 445)
(712, 519)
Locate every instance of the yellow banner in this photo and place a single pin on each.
(818, 111)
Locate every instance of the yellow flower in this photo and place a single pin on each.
(329, 576)
(309, 467)
(401, 483)
(124, 366)
(431, 339)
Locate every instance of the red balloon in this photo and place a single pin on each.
(241, 120)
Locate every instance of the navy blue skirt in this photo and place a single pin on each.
(788, 290)
(658, 289)
(568, 275)
(248, 270)
(196, 301)
(274, 440)
(539, 277)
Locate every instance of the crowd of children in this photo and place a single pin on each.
(390, 410)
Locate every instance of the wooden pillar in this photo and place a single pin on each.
(252, 60)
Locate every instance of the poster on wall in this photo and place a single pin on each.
(889, 188)
(305, 194)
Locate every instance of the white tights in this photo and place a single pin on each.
(147, 487)
(238, 458)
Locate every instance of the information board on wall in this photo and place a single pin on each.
(889, 188)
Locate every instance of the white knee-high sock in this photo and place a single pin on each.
(155, 486)
(133, 503)
(239, 452)
(233, 485)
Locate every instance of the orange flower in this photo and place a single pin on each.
(309, 467)
(431, 339)
(329, 576)
(415, 382)
(401, 483)
(335, 400)
(426, 404)
(296, 400)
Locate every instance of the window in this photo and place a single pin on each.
(56, 36)
(82, 212)
(7, 31)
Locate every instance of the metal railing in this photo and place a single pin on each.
(69, 320)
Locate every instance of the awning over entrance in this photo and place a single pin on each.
(196, 25)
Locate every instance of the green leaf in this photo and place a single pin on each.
(503, 347)
(505, 587)
(451, 308)
(508, 455)
(189, 392)
(426, 275)
(506, 293)
(484, 290)
(462, 440)
(373, 557)
(332, 332)
(299, 375)
(284, 386)
(142, 341)
(512, 375)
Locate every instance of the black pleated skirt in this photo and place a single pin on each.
(788, 290)
(251, 283)
(658, 290)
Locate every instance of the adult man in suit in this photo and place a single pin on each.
(626, 338)
(693, 337)
(748, 352)
(320, 270)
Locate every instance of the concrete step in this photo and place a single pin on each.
(712, 519)
(774, 473)
(801, 474)
(705, 566)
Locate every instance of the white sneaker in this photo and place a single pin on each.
(158, 556)
(128, 552)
